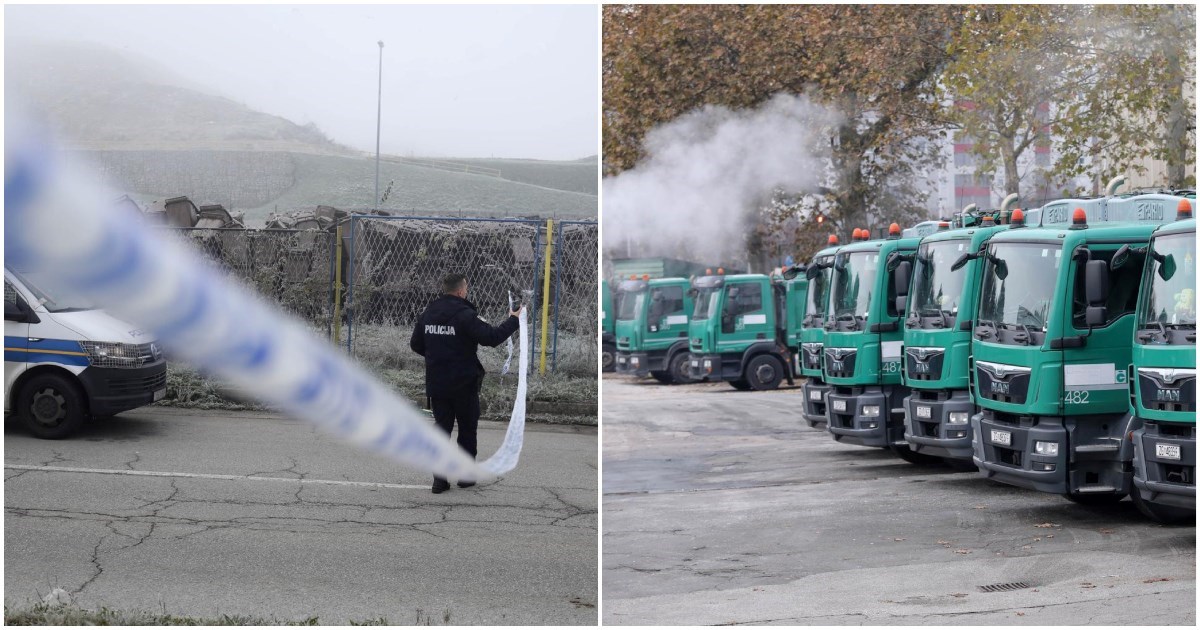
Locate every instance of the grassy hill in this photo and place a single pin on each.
(576, 175)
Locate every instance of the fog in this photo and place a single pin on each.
(458, 81)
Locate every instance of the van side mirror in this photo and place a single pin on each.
(13, 313)
(1095, 284)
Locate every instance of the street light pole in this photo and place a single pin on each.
(378, 123)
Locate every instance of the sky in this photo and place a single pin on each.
(458, 81)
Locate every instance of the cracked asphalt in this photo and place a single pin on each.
(724, 507)
(260, 515)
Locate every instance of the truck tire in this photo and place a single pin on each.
(51, 406)
(662, 377)
(764, 372)
(678, 367)
(608, 357)
(741, 385)
(961, 465)
(920, 459)
(1166, 514)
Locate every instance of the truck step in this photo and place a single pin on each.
(1098, 448)
(1096, 490)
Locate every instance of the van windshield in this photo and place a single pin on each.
(54, 303)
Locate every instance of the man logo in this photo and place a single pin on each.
(1168, 395)
(1000, 387)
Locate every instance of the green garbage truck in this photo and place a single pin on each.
(745, 328)
(1162, 377)
(652, 328)
(812, 335)
(863, 341)
(608, 329)
(1052, 344)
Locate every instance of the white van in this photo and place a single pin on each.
(66, 361)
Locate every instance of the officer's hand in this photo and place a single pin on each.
(517, 313)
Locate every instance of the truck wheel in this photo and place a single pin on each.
(764, 372)
(961, 465)
(907, 454)
(608, 357)
(51, 406)
(679, 369)
(741, 385)
(1167, 514)
(662, 377)
(1094, 499)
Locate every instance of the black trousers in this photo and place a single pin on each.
(464, 407)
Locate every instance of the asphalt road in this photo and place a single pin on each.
(265, 516)
(724, 507)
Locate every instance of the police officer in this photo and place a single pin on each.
(448, 335)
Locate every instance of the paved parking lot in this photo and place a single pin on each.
(208, 513)
(724, 507)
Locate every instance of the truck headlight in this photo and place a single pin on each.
(633, 361)
(870, 411)
(1045, 448)
(958, 417)
(707, 364)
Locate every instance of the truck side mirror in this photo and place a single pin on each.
(901, 277)
(793, 271)
(813, 271)
(1095, 284)
(1001, 269)
(962, 261)
(1120, 258)
(1167, 268)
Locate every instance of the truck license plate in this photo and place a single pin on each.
(695, 363)
(162, 393)
(1003, 438)
(839, 405)
(924, 412)
(1167, 451)
(815, 395)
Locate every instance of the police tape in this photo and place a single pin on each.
(56, 222)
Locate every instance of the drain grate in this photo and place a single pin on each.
(1008, 586)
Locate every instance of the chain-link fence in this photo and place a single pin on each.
(292, 268)
(576, 323)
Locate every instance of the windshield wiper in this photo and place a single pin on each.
(851, 316)
(985, 323)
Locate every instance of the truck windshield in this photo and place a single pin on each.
(630, 305)
(936, 289)
(706, 302)
(1171, 280)
(56, 303)
(1018, 284)
(852, 284)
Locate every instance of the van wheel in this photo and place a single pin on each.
(1167, 514)
(764, 372)
(679, 368)
(608, 357)
(51, 407)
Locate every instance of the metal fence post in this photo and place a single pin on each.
(557, 289)
(337, 286)
(350, 295)
(546, 292)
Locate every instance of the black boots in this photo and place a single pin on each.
(440, 485)
(465, 484)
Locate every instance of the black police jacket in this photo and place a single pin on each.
(448, 335)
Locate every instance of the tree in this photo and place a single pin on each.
(876, 65)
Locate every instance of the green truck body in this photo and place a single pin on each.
(1162, 377)
(863, 341)
(1051, 345)
(608, 328)
(745, 328)
(942, 305)
(652, 329)
(812, 338)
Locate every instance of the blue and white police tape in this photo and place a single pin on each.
(58, 223)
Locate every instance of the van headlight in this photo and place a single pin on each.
(120, 355)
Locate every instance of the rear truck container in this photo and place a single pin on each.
(863, 341)
(66, 362)
(608, 328)
(1162, 378)
(652, 328)
(942, 303)
(1052, 343)
(745, 328)
(812, 336)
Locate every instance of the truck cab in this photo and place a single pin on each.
(1051, 345)
(66, 362)
(863, 341)
(812, 335)
(608, 330)
(744, 328)
(1162, 377)
(942, 304)
(652, 328)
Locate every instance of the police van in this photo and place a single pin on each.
(66, 361)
